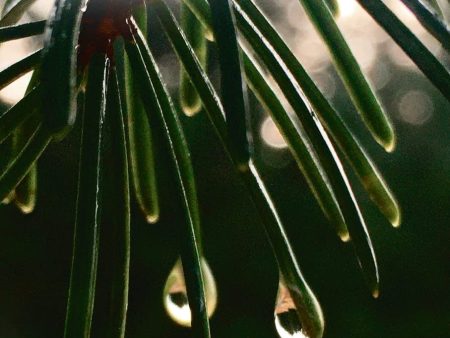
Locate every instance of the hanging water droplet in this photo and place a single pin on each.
(287, 320)
(175, 294)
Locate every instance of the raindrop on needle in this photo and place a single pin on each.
(175, 294)
(287, 319)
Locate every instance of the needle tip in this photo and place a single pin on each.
(152, 219)
(376, 292)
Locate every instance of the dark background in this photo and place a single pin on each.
(414, 261)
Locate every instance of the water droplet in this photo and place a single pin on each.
(175, 294)
(287, 320)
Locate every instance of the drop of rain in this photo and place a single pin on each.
(287, 320)
(175, 294)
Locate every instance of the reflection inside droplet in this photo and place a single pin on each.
(176, 301)
(175, 294)
(287, 320)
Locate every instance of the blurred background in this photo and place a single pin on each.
(414, 261)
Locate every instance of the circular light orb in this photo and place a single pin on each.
(271, 134)
(415, 107)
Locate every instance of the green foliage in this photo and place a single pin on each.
(125, 94)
